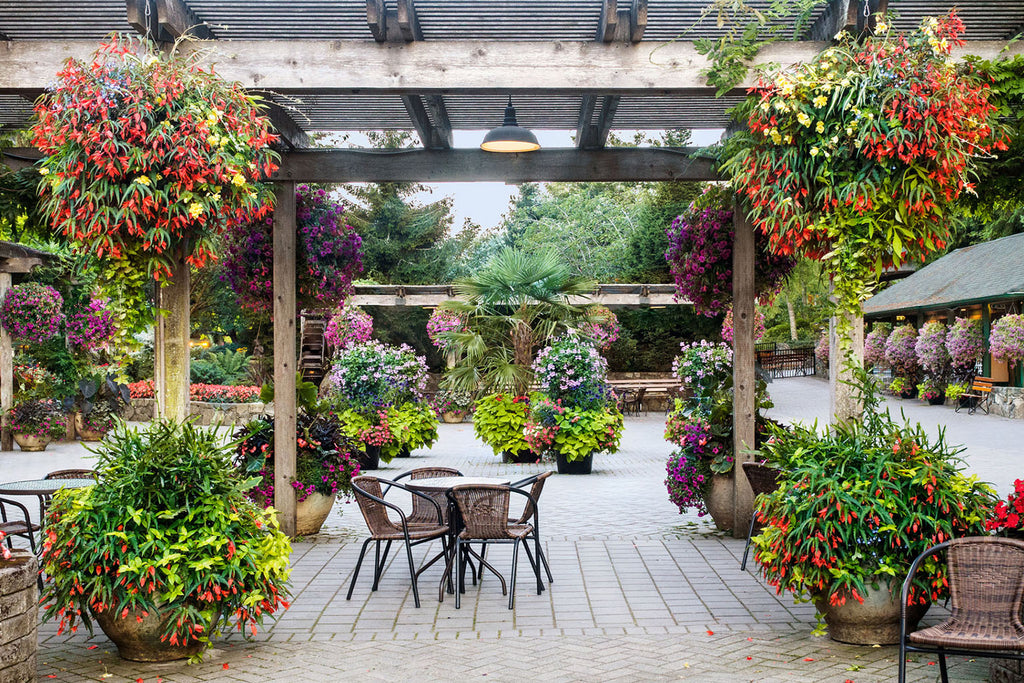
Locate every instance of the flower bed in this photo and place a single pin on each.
(207, 393)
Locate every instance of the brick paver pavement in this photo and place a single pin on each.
(640, 593)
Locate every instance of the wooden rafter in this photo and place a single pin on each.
(292, 136)
(166, 20)
(839, 15)
(376, 19)
(448, 67)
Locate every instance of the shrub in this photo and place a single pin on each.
(498, 421)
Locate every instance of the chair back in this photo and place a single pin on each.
(72, 474)
(25, 518)
(986, 576)
(433, 472)
(535, 491)
(368, 495)
(483, 508)
(762, 478)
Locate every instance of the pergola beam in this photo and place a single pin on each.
(291, 134)
(165, 20)
(475, 165)
(442, 67)
(839, 15)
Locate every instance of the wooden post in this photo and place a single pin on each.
(171, 344)
(284, 356)
(6, 373)
(844, 403)
(743, 375)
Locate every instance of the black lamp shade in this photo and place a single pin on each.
(510, 137)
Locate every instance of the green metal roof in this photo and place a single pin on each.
(984, 272)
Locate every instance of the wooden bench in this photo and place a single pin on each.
(979, 396)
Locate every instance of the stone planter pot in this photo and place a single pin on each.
(137, 637)
(369, 459)
(876, 621)
(86, 434)
(719, 501)
(19, 617)
(310, 514)
(521, 458)
(453, 416)
(582, 466)
(30, 442)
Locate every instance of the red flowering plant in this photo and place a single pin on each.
(148, 158)
(700, 254)
(858, 501)
(857, 156)
(211, 393)
(1008, 517)
(329, 255)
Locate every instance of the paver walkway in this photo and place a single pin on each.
(640, 593)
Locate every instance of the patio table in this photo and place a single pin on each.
(42, 489)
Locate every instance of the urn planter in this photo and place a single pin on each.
(719, 501)
(31, 442)
(86, 434)
(876, 621)
(580, 466)
(311, 513)
(453, 416)
(138, 636)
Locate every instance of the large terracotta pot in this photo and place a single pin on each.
(86, 434)
(137, 637)
(30, 442)
(453, 416)
(311, 513)
(876, 621)
(582, 466)
(719, 501)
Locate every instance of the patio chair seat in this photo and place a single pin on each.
(980, 632)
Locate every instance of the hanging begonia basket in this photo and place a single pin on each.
(148, 157)
(31, 312)
(857, 156)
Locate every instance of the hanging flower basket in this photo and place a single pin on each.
(92, 327)
(1006, 341)
(348, 325)
(31, 312)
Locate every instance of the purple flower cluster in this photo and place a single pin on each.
(965, 346)
(901, 351)
(700, 255)
(823, 349)
(93, 327)
(686, 481)
(931, 350)
(1006, 341)
(442, 322)
(32, 312)
(702, 366)
(349, 325)
(573, 372)
(373, 375)
(874, 346)
(603, 329)
(329, 255)
(727, 325)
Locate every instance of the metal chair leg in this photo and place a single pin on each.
(355, 574)
(512, 581)
(459, 574)
(901, 676)
(746, 548)
(412, 573)
(378, 570)
(942, 667)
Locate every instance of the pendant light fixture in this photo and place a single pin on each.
(509, 136)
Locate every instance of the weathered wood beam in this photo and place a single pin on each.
(432, 137)
(744, 382)
(440, 67)
(19, 265)
(839, 15)
(285, 409)
(166, 20)
(622, 23)
(638, 20)
(594, 134)
(584, 126)
(609, 22)
(376, 18)
(468, 165)
(292, 135)
(408, 22)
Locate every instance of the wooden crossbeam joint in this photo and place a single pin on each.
(291, 134)
(166, 20)
(620, 23)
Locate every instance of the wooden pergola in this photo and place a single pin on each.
(434, 66)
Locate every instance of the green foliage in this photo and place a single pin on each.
(649, 338)
(167, 529)
(223, 367)
(572, 432)
(858, 501)
(498, 421)
(413, 424)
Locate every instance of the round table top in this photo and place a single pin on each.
(42, 487)
(446, 483)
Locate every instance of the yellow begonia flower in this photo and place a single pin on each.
(144, 180)
(238, 180)
(820, 127)
(213, 139)
(820, 101)
(43, 170)
(814, 151)
(195, 209)
(804, 119)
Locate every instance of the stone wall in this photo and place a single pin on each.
(1008, 402)
(205, 413)
(19, 616)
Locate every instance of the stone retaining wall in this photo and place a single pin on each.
(1008, 402)
(19, 617)
(205, 413)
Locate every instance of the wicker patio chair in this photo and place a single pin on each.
(18, 525)
(764, 479)
(986, 588)
(384, 530)
(529, 516)
(72, 474)
(422, 511)
(484, 513)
